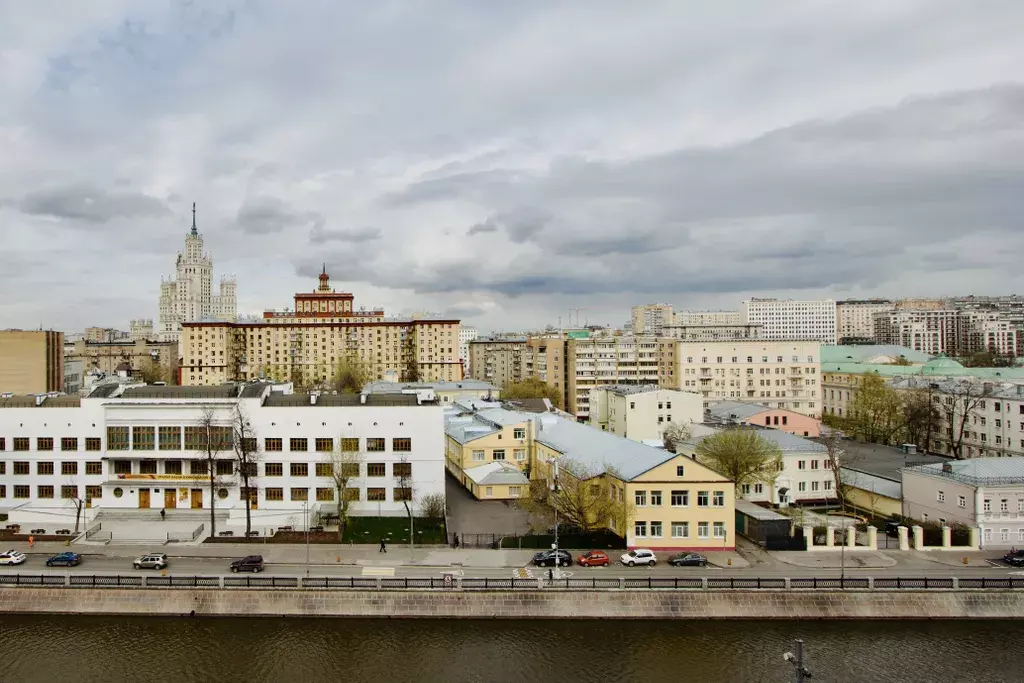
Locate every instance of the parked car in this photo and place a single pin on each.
(150, 561)
(64, 560)
(593, 558)
(639, 556)
(12, 557)
(1014, 558)
(553, 558)
(688, 560)
(249, 563)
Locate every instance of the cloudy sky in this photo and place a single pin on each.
(508, 161)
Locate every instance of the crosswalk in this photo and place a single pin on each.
(378, 571)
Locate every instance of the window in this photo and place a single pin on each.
(299, 494)
(44, 443)
(403, 445)
(758, 488)
(640, 529)
(498, 454)
(401, 469)
(170, 438)
(298, 469)
(273, 469)
(719, 529)
(376, 494)
(93, 492)
(42, 492)
(143, 438)
(702, 529)
(172, 467)
(194, 467)
(656, 529)
(21, 443)
(827, 464)
(350, 445)
(274, 494)
(44, 468)
(655, 497)
(814, 486)
(69, 443)
(324, 469)
(827, 484)
(719, 499)
(273, 445)
(324, 494)
(680, 529)
(69, 491)
(961, 501)
(94, 467)
(702, 499)
(1004, 505)
(801, 464)
(640, 498)
(519, 433)
(375, 444)
(400, 493)
(941, 496)
(519, 454)
(680, 499)
(352, 494)
(224, 467)
(93, 443)
(986, 505)
(679, 470)
(1004, 534)
(324, 445)
(814, 464)
(478, 456)
(376, 469)
(745, 489)
(515, 491)
(69, 467)
(21, 491)
(298, 444)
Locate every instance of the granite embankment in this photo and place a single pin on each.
(546, 604)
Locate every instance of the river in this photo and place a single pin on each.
(87, 649)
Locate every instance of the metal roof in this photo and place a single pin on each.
(757, 512)
(976, 471)
(155, 391)
(497, 473)
(883, 486)
(739, 410)
(787, 443)
(855, 353)
(880, 460)
(385, 387)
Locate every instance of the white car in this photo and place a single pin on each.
(639, 556)
(12, 557)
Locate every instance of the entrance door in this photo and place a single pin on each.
(197, 499)
(254, 499)
(143, 498)
(170, 498)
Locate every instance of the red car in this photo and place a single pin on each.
(593, 558)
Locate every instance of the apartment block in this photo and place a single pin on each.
(31, 361)
(929, 330)
(790, 319)
(642, 412)
(698, 318)
(776, 374)
(127, 355)
(651, 318)
(306, 346)
(498, 360)
(855, 321)
(612, 360)
(466, 335)
(708, 332)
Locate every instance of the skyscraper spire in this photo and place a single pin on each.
(195, 233)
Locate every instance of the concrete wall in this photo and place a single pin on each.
(549, 604)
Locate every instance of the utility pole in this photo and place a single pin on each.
(797, 660)
(554, 489)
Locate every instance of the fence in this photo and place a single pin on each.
(507, 584)
(185, 536)
(602, 540)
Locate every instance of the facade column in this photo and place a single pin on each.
(918, 537)
(872, 538)
(947, 538)
(979, 513)
(851, 537)
(830, 537)
(809, 537)
(904, 542)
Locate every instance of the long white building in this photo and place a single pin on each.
(137, 448)
(789, 319)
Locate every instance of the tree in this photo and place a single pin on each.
(247, 454)
(837, 459)
(212, 440)
(902, 361)
(585, 497)
(876, 411)
(350, 375)
(404, 492)
(533, 387)
(77, 500)
(411, 370)
(344, 463)
(742, 455)
(674, 434)
(962, 398)
(921, 415)
(432, 507)
(151, 372)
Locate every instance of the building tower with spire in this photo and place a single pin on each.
(189, 297)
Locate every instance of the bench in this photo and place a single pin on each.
(316, 529)
(253, 533)
(284, 528)
(63, 532)
(39, 531)
(226, 533)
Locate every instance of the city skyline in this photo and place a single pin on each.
(526, 168)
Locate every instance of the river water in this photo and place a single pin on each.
(84, 649)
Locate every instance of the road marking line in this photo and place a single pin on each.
(378, 571)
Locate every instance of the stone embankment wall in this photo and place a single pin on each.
(549, 604)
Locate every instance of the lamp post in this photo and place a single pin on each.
(797, 660)
(554, 488)
(305, 520)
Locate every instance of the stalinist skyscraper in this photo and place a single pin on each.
(188, 297)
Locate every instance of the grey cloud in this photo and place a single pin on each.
(91, 204)
(488, 225)
(264, 215)
(318, 235)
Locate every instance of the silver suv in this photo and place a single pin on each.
(151, 561)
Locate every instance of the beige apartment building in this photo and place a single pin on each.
(855, 318)
(307, 345)
(498, 360)
(712, 332)
(775, 374)
(652, 318)
(641, 413)
(588, 363)
(31, 361)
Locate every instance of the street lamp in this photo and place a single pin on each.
(554, 488)
(797, 660)
(305, 521)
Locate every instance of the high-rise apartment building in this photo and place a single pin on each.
(855, 321)
(789, 319)
(498, 360)
(929, 330)
(31, 361)
(775, 374)
(708, 318)
(466, 335)
(651, 318)
(306, 346)
(189, 297)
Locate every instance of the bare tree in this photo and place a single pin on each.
(837, 458)
(962, 398)
(344, 463)
(921, 415)
(586, 496)
(76, 500)
(675, 433)
(404, 492)
(212, 440)
(433, 507)
(247, 455)
(350, 375)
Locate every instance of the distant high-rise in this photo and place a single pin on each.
(189, 296)
(651, 318)
(855, 319)
(792, 320)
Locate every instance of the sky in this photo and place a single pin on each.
(514, 164)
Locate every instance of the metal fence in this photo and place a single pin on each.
(451, 581)
(185, 536)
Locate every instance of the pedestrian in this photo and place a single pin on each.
(383, 548)
(163, 514)
(551, 574)
(456, 541)
(31, 541)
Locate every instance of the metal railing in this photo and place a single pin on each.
(450, 582)
(185, 536)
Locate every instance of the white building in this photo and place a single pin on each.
(932, 330)
(641, 413)
(136, 448)
(708, 318)
(440, 392)
(189, 297)
(855, 318)
(466, 335)
(141, 330)
(712, 332)
(651, 318)
(789, 319)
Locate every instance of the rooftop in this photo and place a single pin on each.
(757, 512)
(787, 443)
(279, 400)
(738, 410)
(853, 353)
(883, 486)
(627, 389)
(385, 387)
(937, 367)
(976, 471)
(880, 460)
(496, 473)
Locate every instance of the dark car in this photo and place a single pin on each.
(688, 560)
(1014, 558)
(553, 558)
(249, 563)
(593, 558)
(892, 527)
(64, 560)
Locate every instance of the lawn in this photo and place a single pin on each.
(393, 530)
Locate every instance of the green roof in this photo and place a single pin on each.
(859, 353)
(939, 367)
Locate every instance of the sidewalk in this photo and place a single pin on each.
(955, 558)
(833, 559)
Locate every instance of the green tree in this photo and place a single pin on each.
(585, 498)
(741, 454)
(533, 387)
(876, 411)
(350, 375)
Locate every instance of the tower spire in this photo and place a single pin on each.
(325, 280)
(195, 233)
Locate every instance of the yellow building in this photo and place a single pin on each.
(31, 361)
(479, 434)
(307, 345)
